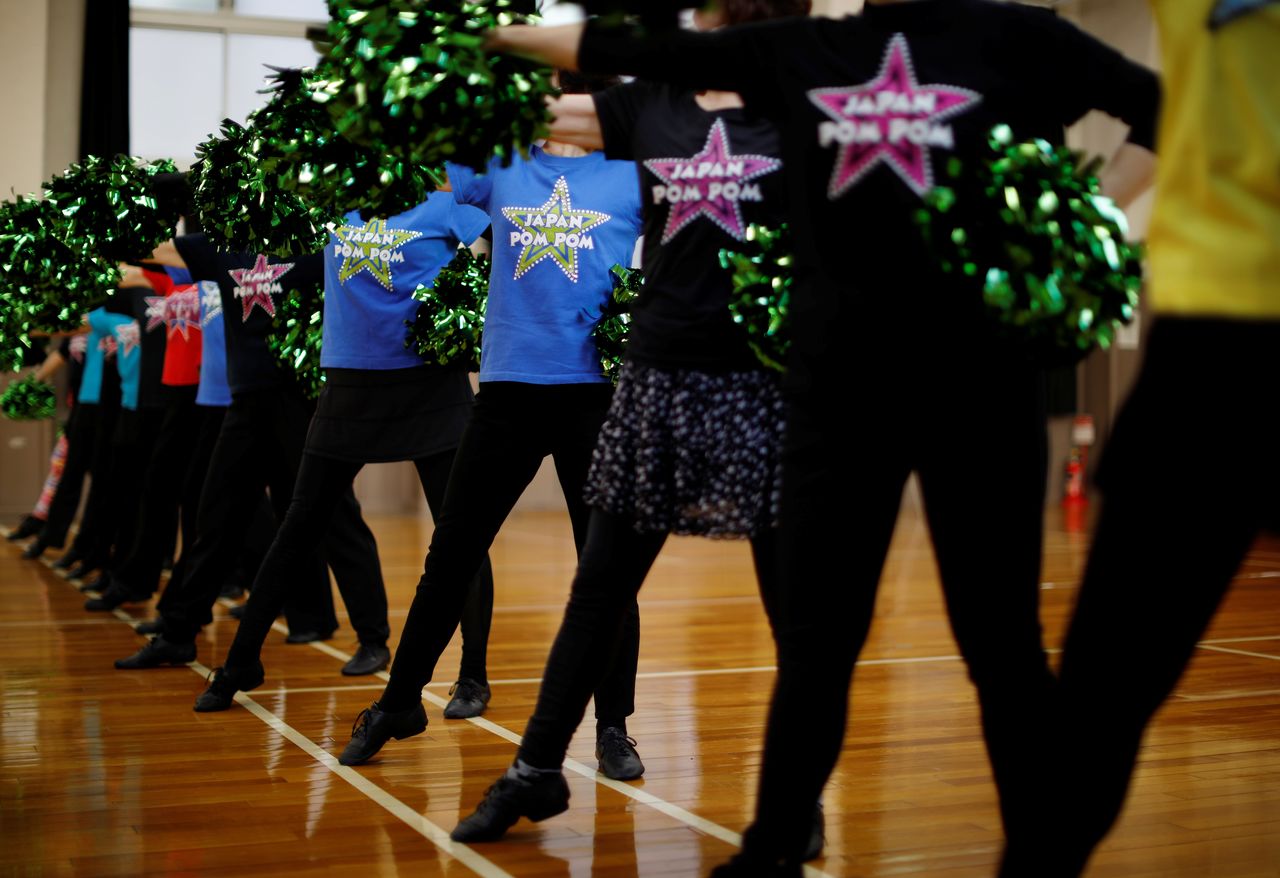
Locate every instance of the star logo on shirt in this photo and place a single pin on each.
(128, 335)
(255, 286)
(891, 120)
(181, 311)
(79, 344)
(713, 183)
(373, 247)
(107, 344)
(553, 231)
(211, 300)
(156, 310)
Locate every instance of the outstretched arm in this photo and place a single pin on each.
(574, 120)
(167, 254)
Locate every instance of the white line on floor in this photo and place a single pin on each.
(1261, 655)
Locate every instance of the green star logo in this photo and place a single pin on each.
(373, 247)
(553, 231)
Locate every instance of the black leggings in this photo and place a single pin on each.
(974, 432)
(320, 486)
(1169, 541)
(512, 428)
(66, 498)
(599, 619)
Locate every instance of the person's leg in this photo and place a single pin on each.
(1168, 542)
(579, 416)
(471, 692)
(352, 553)
(984, 503)
(840, 497)
(317, 492)
(209, 426)
(62, 510)
(94, 536)
(614, 562)
(57, 464)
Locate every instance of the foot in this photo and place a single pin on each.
(158, 653)
(367, 660)
(69, 559)
(375, 726)
(99, 583)
(511, 798)
(469, 699)
(236, 612)
(304, 636)
(151, 626)
(746, 866)
(82, 570)
(35, 550)
(114, 596)
(617, 756)
(231, 591)
(29, 527)
(817, 835)
(224, 685)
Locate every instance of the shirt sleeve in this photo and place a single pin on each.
(467, 223)
(469, 187)
(743, 59)
(618, 110)
(1083, 73)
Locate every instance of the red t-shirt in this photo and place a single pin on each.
(179, 310)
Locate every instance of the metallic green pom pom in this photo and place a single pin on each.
(614, 328)
(296, 335)
(28, 399)
(449, 325)
(763, 273)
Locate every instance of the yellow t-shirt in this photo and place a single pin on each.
(1215, 236)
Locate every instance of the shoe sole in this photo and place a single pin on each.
(416, 729)
(365, 673)
(166, 664)
(450, 713)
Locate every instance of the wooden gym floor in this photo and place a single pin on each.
(104, 772)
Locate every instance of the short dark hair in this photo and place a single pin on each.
(746, 11)
(572, 83)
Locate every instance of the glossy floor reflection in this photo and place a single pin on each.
(105, 772)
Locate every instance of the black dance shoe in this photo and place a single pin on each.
(617, 756)
(151, 626)
(115, 595)
(817, 835)
(69, 559)
(539, 797)
(158, 653)
(231, 591)
(746, 866)
(302, 636)
(469, 699)
(99, 583)
(35, 550)
(83, 569)
(375, 726)
(237, 612)
(367, 660)
(29, 527)
(224, 685)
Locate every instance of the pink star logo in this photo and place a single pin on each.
(107, 344)
(128, 335)
(79, 344)
(182, 311)
(156, 310)
(891, 120)
(254, 286)
(713, 183)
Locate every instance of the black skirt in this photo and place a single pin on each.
(380, 416)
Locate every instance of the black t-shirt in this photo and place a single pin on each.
(150, 392)
(72, 352)
(251, 287)
(871, 109)
(704, 178)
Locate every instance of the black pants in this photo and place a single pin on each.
(97, 520)
(973, 428)
(131, 448)
(260, 446)
(81, 429)
(1190, 476)
(512, 428)
(319, 489)
(166, 492)
(600, 619)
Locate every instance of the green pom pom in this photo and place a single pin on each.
(107, 207)
(614, 328)
(46, 284)
(763, 272)
(296, 335)
(29, 399)
(1030, 231)
(410, 78)
(244, 210)
(449, 325)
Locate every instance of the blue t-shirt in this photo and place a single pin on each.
(128, 335)
(559, 226)
(213, 390)
(100, 349)
(371, 270)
